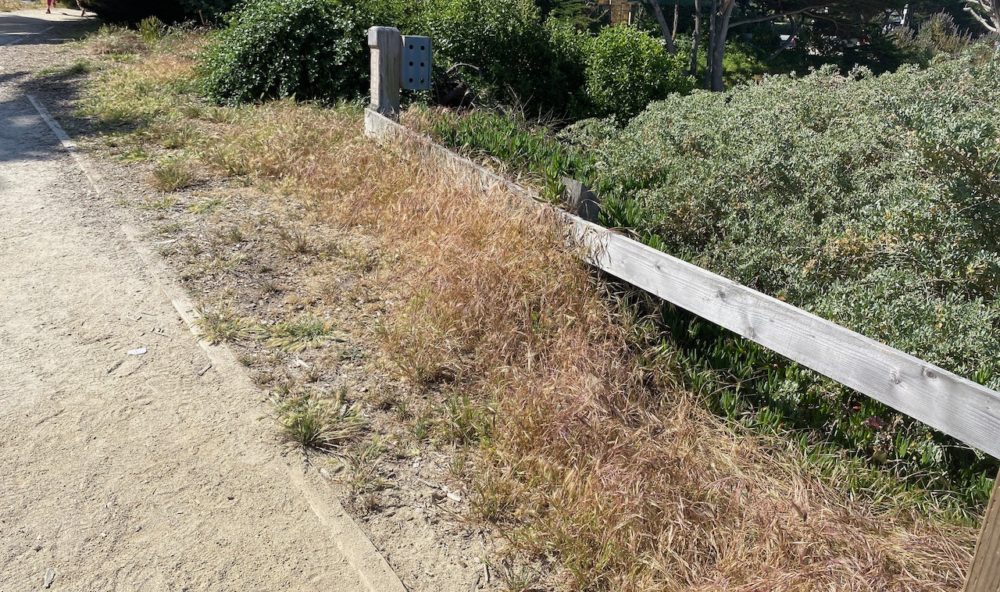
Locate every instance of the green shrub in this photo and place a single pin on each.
(870, 201)
(628, 68)
(151, 29)
(507, 43)
(130, 11)
(406, 15)
(568, 76)
(939, 34)
(307, 49)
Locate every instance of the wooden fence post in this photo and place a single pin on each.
(387, 56)
(984, 573)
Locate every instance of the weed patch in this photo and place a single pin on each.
(173, 174)
(301, 334)
(318, 423)
(220, 325)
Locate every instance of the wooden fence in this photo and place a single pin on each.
(956, 406)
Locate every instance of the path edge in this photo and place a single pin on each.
(350, 540)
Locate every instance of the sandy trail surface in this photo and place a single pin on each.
(129, 459)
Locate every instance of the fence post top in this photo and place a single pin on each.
(377, 33)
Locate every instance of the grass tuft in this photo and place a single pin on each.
(173, 174)
(301, 334)
(206, 206)
(77, 68)
(221, 326)
(465, 421)
(320, 424)
(293, 242)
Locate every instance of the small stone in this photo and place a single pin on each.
(50, 576)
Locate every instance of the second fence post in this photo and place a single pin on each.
(386, 45)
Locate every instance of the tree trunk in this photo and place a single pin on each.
(695, 37)
(664, 27)
(710, 56)
(677, 18)
(718, 32)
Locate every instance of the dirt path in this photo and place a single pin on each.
(130, 458)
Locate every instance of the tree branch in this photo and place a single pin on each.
(763, 19)
(991, 27)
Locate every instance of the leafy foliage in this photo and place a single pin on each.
(937, 35)
(506, 41)
(527, 150)
(307, 49)
(130, 11)
(627, 68)
(871, 201)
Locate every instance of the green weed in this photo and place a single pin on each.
(303, 333)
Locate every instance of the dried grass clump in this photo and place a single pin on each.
(594, 458)
(116, 41)
(11, 5)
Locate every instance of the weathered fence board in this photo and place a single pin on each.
(954, 405)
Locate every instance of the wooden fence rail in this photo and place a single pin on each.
(954, 405)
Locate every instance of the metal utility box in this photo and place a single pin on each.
(416, 73)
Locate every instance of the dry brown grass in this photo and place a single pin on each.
(11, 5)
(593, 457)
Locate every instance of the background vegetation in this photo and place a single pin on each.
(271, 49)
(865, 191)
(518, 359)
(870, 201)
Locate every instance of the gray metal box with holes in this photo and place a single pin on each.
(416, 63)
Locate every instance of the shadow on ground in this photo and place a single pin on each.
(57, 86)
(25, 29)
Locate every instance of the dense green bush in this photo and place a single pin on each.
(550, 67)
(308, 49)
(501, 49)
(506, 42)
(409, 16)
(937, 35)
(627, 69)
(567, 78)
(870, 201)
(130, 11)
